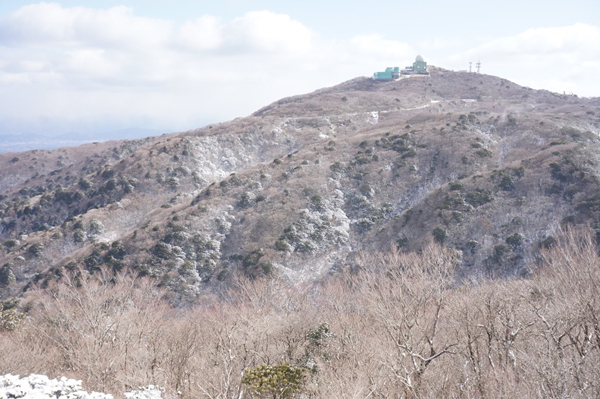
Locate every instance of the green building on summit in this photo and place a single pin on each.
(419, 67)
(390, 73)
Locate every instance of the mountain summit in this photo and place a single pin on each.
(302, 186)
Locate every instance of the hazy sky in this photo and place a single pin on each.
(172, 65)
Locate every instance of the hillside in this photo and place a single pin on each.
(302, 186)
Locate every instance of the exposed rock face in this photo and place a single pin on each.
(473, 162)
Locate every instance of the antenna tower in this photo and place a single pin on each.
(470, 66)
(478, 65)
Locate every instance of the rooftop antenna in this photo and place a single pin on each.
(478, 65)
(470, 62)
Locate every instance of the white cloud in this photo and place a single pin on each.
(268, 32)
(204, 33)
(48, 23)
(258, 31)
(111, 62)
(563, 41)
(93, 61)
(60, 63)
(377, 45)
(558, 59)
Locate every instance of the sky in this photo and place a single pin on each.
(96, 67)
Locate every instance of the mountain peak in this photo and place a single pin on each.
(473, 162)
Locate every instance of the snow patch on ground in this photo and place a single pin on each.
(41, 387)
(38, 386)
(149, 392)
(375, 116)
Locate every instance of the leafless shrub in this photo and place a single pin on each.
(399, 327)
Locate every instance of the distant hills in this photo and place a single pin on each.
(28, 141)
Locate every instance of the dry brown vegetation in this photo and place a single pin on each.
(400, 327)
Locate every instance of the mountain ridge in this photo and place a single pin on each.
(303, 185)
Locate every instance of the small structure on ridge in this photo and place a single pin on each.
(390, 73)
(419, 67)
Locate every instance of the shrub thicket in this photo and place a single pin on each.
(399, 326)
